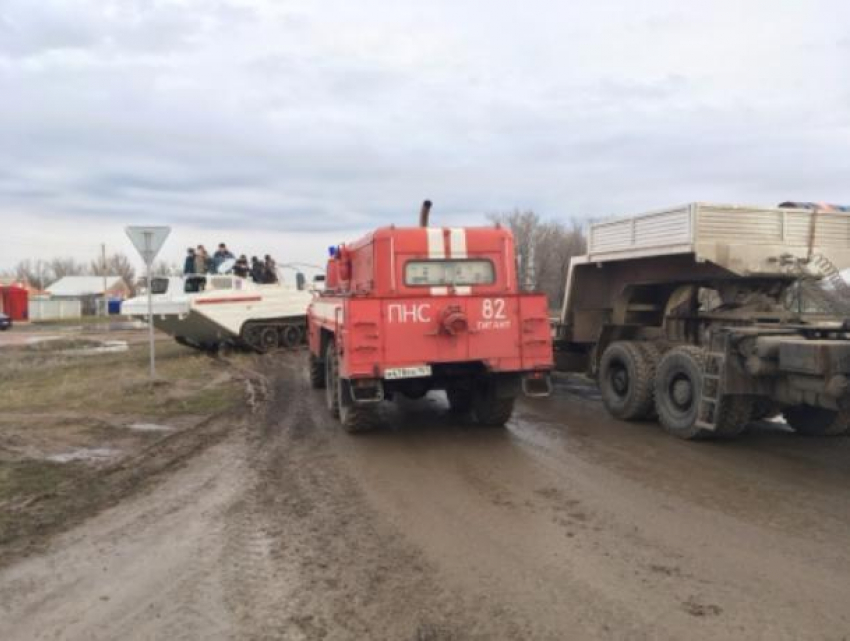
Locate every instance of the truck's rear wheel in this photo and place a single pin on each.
(734, 413)
(355, 418)
(317, 372)
(460, 399)
(817, 421)
(678, 388)
(626, 380)
(489, 407)
(332, 379)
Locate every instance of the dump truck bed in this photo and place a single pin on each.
(745, 240)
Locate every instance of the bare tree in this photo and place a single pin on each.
(162, 269)
(67, 266)
(115, 265)
(36, 273)
(544, 250)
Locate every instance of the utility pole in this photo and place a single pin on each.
(103, 265)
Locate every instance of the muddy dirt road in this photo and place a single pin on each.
(566, 525)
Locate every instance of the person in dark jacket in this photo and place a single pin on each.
(221, 254)
(240, 267)
(256, 269)
(270, 271)
(189, 263)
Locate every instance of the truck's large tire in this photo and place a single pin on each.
(627, 380)
(489, 407)
(317, 372)
(355, 418)
(653, 352)
(460, 399)
(734, 414)
(678, 387)
(332, 379)
(817, 421)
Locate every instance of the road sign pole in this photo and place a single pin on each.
(148, 241)
(150, 309)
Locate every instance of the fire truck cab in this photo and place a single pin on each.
(408, 310)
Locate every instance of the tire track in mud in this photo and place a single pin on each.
(146, 569)
(308, 558)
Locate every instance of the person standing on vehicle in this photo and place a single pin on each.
(222, 254)
(201, 260)
(257, 269)
(270, 269)
(240, 268)
(189, 263)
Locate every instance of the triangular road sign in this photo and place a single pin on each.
(148, 240)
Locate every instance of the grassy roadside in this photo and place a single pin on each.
(55, 402)
(44, 377)
(81, 321)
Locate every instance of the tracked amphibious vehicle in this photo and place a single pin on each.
(211, 310)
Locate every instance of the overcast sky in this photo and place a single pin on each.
(286, 126)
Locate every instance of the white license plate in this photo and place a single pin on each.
(417, 371)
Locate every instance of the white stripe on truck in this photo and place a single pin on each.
(457, 249)
(457, 242)
(436, 247)
(436, 251)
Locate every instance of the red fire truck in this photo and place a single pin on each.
(408, 310)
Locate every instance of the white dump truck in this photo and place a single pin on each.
(702, 315)
(206, 311)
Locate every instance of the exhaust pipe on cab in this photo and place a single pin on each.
(424, 213)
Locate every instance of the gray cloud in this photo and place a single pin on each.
(307, 121)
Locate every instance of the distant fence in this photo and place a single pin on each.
(54, 309)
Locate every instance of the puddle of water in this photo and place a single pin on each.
(84, 454)
(107, 347)
(32, 340)
(114, 326)
(150, 427)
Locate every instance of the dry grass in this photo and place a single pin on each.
(39, 378)
(54, 401)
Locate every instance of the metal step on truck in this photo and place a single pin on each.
(711, 316)
(409, 309)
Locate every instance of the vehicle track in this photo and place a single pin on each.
(565, 525)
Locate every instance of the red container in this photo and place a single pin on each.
(15, 302)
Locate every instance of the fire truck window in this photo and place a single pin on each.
(449, 272)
